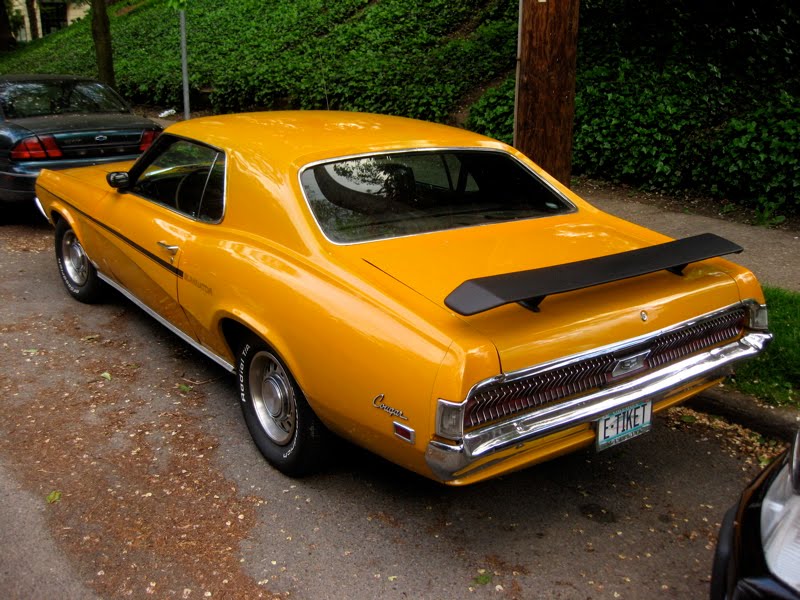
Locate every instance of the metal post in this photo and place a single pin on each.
(516, 76)
(184, 67)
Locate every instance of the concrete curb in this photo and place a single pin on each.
(776, 422)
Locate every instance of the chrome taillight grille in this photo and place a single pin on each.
(583, 376)
(674, 345)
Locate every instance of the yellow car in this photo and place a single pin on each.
(425, 292)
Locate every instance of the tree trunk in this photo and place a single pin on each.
(546, 84)
(101, 32)
(7, 41)
(33, 20)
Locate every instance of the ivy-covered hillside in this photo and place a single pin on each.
(406, 57)
(670, 96)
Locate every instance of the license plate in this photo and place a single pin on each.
(623, 424)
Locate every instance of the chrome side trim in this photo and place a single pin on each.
(38, 204)
(16, 174)
(186, 338)
(449, 461)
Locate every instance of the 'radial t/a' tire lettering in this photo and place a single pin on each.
(282, 424)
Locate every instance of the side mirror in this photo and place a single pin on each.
(118, 180)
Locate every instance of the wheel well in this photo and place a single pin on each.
(55, 217)
(235, 335)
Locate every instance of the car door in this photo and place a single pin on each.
(155, 221)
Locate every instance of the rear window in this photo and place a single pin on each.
(398, 194)
(24, 99)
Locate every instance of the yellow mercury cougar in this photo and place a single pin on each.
(425, 292)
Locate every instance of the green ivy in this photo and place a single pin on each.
(755, 161)
(409, 57)
(493, 113)
(683, 96)
(670, 96)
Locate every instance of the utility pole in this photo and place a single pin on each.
(545, 99)
(101, 33)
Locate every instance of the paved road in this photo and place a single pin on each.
(163, 495)
(771, 254)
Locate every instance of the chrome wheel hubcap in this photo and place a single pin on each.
(76, 263)
(273, 398)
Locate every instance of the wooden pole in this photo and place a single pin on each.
(545, 102)
(101, 33)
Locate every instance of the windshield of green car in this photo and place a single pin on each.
(405, 193)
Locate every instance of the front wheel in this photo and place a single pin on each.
(77, 272)
(283, 426)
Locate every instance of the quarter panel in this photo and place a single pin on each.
(75, 199)
(346, 340)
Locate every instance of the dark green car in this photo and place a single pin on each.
(62, 121)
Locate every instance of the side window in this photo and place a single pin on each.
(213, 202)
(185, 176)
(462, 180)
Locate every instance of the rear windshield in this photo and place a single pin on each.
(398, 194)
(23, 99)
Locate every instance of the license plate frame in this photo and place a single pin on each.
(623, 424)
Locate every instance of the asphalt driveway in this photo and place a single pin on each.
(157, 490)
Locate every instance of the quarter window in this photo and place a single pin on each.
(185, 176)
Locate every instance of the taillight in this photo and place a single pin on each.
(148, 137)
(36, 147)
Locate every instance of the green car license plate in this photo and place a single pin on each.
(623, 424)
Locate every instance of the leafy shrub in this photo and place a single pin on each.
(755, 159)
(647, 127)
(411, 57)
(670, 96)
(493, 113)
(683, 95)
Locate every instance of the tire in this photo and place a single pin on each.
(282, 424)
(722, 556)
(76, 270)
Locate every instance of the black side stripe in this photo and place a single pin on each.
(157, 259)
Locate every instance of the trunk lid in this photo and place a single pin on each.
(435, 264)
(91, 136)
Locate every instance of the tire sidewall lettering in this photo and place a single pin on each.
(293, 444)
(243, 391)
(67, 281)
(243, 370)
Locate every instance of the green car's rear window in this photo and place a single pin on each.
(406, 193)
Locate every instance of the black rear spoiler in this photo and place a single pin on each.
(529, 288)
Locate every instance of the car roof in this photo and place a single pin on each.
(300, 137)
(42, 77)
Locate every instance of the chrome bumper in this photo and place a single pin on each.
(449, 461)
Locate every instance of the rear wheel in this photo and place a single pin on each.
(283, 426)
(77, 272)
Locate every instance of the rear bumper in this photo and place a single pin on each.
(458, 460)
(17, 187)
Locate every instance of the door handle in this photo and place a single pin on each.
(169, 248)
